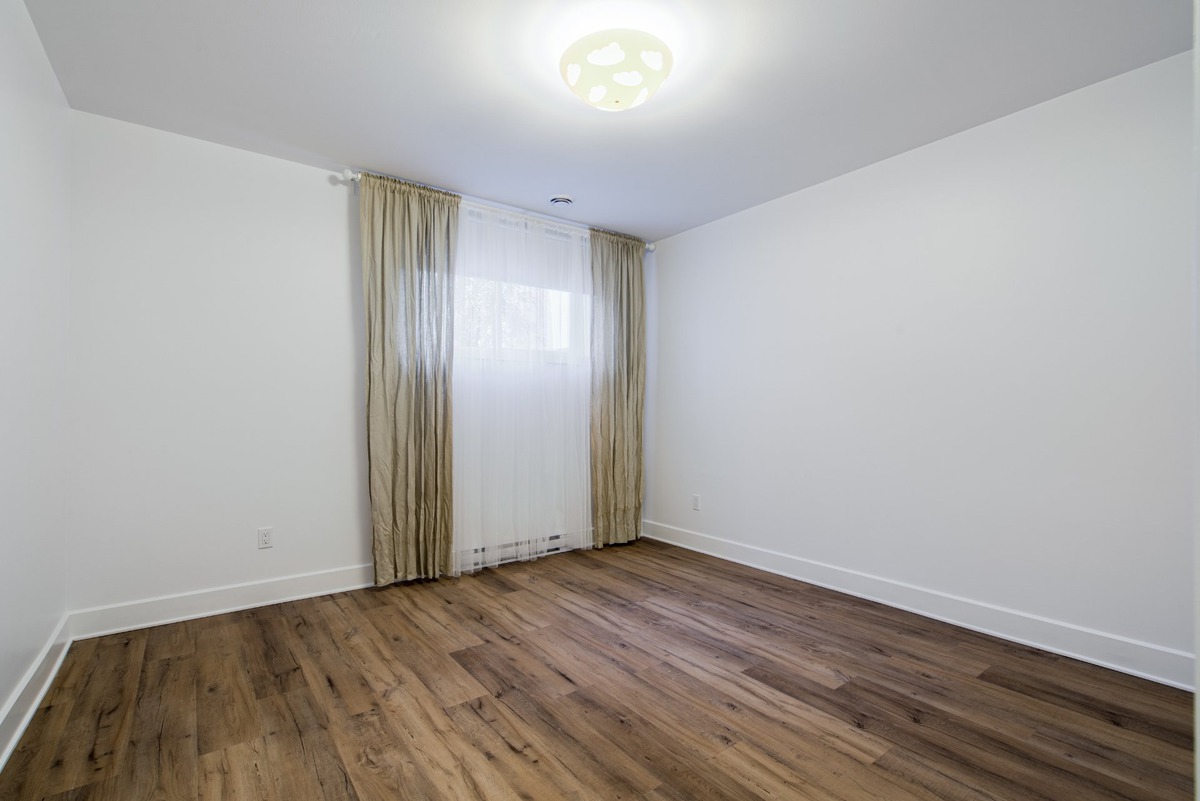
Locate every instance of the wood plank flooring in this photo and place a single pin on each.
(638, 672)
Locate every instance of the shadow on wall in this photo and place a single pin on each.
(358, 320)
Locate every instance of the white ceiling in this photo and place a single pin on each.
(767, 96)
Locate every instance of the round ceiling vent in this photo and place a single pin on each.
(562, 200)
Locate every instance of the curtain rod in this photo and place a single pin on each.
(351, 175)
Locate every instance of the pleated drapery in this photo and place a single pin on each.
(409, 234)
(618, 386)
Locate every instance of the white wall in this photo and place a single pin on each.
(1196, 300)
(216, 376)
(960, 380)
(34, 218)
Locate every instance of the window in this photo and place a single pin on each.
(517, 322)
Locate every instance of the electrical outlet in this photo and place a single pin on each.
(264, 537)
(696, 503)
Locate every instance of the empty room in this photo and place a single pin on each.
(674, 400)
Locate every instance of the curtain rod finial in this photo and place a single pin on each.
(351, 175)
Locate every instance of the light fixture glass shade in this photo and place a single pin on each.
(617, 69)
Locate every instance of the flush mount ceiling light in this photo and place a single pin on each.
(617, 69)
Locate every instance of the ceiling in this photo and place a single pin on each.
(766, 97)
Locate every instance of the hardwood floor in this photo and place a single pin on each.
(639, 672)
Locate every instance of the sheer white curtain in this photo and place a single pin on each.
(521, 388)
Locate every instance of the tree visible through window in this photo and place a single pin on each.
(512, 321)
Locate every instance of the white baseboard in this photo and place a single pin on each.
(81, 624)
(99, 620)
(20, 707)
(1147, 660)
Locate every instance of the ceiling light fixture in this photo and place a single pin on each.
(617, 69)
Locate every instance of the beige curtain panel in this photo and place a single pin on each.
(409, 234)
(618, 386)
